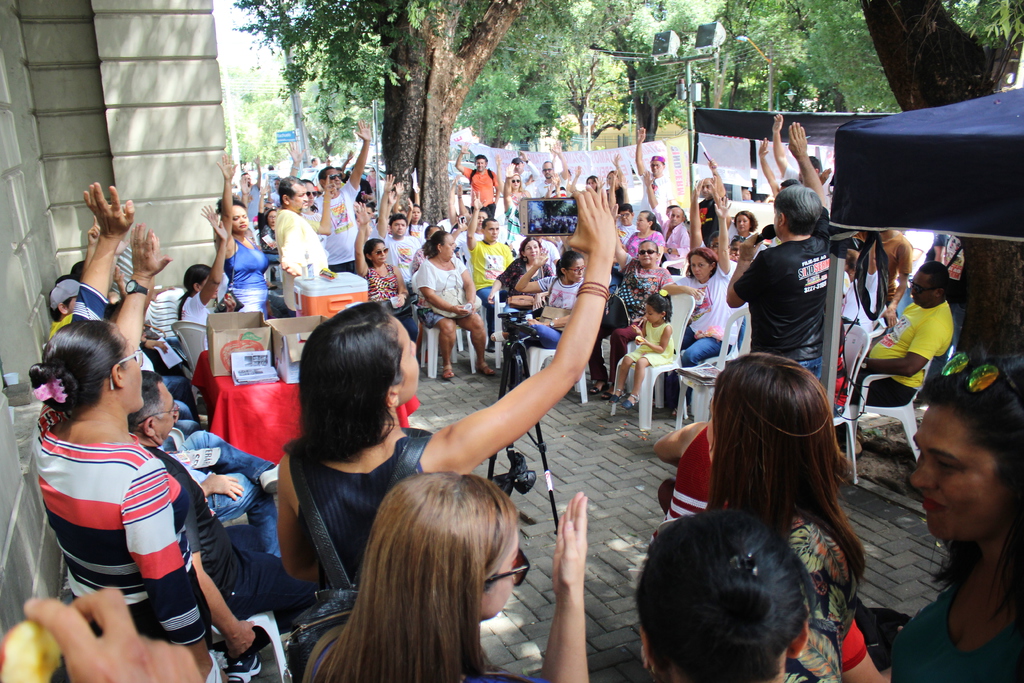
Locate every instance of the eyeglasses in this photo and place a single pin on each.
(578, 271)
(917, 289)
(379, 252)
(137, 356)
(981, 377)
(520, 566)
(334, 176)
(174, 412)
(646, 251)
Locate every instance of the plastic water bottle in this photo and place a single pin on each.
(309, 267)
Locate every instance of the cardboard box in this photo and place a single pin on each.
(227, 333)
(289, 336)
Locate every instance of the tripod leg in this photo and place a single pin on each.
(503, 387)
(541, 446)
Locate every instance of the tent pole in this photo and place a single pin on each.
(833, 314)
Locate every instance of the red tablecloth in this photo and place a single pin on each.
(258, 418)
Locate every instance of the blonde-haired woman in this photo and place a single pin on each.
(442, 556)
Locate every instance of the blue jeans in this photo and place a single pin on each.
(547, 336)
(255, 503)
(813, 365)
(262, 583)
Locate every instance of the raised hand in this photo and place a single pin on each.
(570, 562)
(557, 147)
(147, 260)
(641, 135)
(113, 219)
(295, 153)
(647, 178)
(762, 151)
(777, 124)
(210, 214)
(595, 231)
(363, 215)
(477, 204)
(363, 131)
(825, 175)
(617, 160)
(227, 168)
(722, 205)
(797, 140)
(713, 166)
(93, 236)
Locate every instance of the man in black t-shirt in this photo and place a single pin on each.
(785, 285)
(237, 579)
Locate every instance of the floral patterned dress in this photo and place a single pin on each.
(831, 605)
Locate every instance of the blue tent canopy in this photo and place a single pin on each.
(956, 169)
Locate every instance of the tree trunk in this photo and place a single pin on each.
(995, 316)
(432, 79)
(931, 61)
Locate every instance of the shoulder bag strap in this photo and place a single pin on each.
(410, 454)
(329, 560)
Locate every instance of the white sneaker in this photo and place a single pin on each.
(268, 480)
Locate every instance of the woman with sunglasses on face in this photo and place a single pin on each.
(512, 193)
(443, 556)
(382, 282)
(641, 277)
(118, 516)
(971, 473)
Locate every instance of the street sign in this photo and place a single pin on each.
(286, 136)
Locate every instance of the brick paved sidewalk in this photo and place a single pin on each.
(613, 462)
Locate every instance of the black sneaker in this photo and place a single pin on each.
(242, 670)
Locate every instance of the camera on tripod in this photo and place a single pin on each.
(515, 326)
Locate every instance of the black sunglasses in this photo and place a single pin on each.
(917, 289)
(520, 566)
(334, 176)
(646, 251)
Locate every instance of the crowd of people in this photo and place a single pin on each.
(750, 578)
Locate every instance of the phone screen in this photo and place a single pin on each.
(558, 216)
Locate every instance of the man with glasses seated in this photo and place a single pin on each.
(235, 483)
(924, 331)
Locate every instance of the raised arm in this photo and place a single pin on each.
(576, 176)
(296, 154)
(719, 184)
(326, 225)
(766, 170)
(364, 133)
(641, 135)
(556, 149)
(147, 261)
(696, 236)
(474, 221)
(748, 250)
(565, 660)
(221, 241)
(526, 284)
(722, 209)
(387, 200)
(363, 226)
(114, 221)
(461, 162)
(462, 446)
(778, 149)
(798, 148)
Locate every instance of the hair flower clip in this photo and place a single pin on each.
(746, 563)
(54, 389)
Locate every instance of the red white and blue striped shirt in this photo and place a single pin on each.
(119, 519)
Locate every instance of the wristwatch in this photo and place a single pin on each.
(134, 287)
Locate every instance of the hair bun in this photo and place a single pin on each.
(54, 384)
(746, 600)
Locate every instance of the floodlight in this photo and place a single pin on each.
(709, 37)
(666, 44)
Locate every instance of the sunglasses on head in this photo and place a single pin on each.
(646, 251)
(520, 566)
(981, 377)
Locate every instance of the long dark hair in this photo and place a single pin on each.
(722, 597)
(193, 276)
(995, 419)
(526, 241)
(348, 365)
(80, 356)
(369, 245)
(772, 421)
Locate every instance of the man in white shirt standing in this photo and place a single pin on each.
(655, 187)
(340, 243)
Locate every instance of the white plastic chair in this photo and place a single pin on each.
(857, 346)
(651, 390)
(268, 623)
(429, 350)
(537, 356)
(163, 310)
(905, 413)
(193, 340)
(702, 393)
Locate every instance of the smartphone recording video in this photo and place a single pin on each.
(555, 216)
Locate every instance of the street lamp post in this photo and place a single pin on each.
(771, 67)
(779, 92)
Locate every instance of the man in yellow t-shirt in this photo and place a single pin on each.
(297, 242)
(489, 259)
(923, 332)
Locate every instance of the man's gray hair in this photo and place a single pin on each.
(801, 206)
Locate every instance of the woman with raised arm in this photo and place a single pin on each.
(118, 516)
(512, 193)
(358, 367)
(202, 281)
(382, 282)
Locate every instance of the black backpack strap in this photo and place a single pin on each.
(329, 560)
(408, 456)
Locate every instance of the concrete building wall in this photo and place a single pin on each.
(123, 92)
